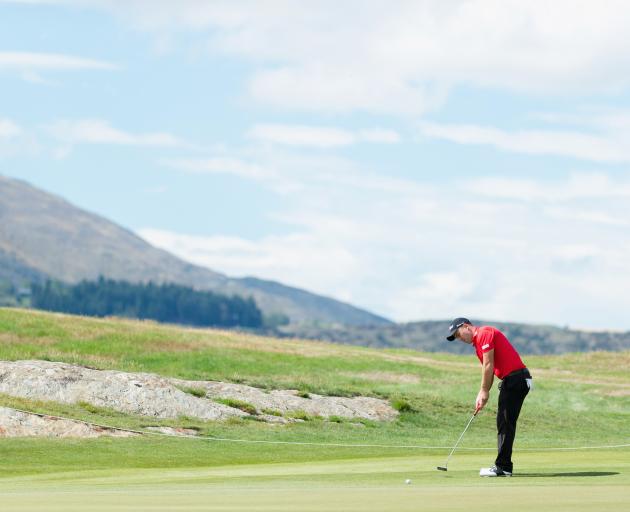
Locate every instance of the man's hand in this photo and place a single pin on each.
(482, 400)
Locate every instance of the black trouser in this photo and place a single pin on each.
(513, 391)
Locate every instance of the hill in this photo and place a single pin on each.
(429, 336)
(240, 463)
(314, 367)
(43, 235)
(12, 270)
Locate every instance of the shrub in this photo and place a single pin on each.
(401, 405)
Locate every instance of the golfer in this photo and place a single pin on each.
(498, 357)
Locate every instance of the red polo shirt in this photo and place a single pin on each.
(506, 358)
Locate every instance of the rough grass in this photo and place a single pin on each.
(571, 404)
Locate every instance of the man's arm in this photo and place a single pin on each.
(487, 377)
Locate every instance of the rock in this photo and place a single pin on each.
(287, 401)
(151, 395)
(132, 393)
(19, 424)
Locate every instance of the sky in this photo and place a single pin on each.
(419, 159)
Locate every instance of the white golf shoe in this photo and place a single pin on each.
(494, 471)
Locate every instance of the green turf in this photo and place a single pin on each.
(565, 481)
(579, 400)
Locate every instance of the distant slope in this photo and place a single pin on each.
(429, 336)
(13, 271)
(44, 234)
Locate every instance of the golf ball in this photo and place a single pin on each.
(407, 481)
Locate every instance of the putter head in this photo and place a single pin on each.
(440, 468)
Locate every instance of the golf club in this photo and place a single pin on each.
(445, 467)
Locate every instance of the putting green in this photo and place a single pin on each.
(589, 480)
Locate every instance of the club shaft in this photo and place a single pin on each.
(460, 438)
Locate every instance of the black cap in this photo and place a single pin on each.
(456, 324)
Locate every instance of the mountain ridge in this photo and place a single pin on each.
(430, 336)
(44, 235)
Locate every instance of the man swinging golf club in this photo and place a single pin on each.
(498, 357)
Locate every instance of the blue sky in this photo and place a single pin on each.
(420, 159)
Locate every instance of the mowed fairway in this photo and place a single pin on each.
(592, 480)
(579, 400)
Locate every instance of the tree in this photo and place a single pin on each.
(165, 303)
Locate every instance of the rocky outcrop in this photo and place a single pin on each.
(132, 393)
(159, 397)
(289, 401)
(19, 424)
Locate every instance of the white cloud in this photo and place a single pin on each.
(29, 63)
(339, 88)
(299, 135)
(290, 174)
(320, 137)
(508, 249)
(401, 57)
(283, 258)
(587, 216)
(220, 165)
(599, 148)
(9, 129)
(577, 186)
(517, 249)
(17, 141)
(434, 292)
(379, 135)
(96, 131)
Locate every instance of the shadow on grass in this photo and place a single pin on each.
(579, 473)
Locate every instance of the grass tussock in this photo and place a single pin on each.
(272, 412)
(194, 391)
(238, 404)
(302, 415)
(402, 405)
